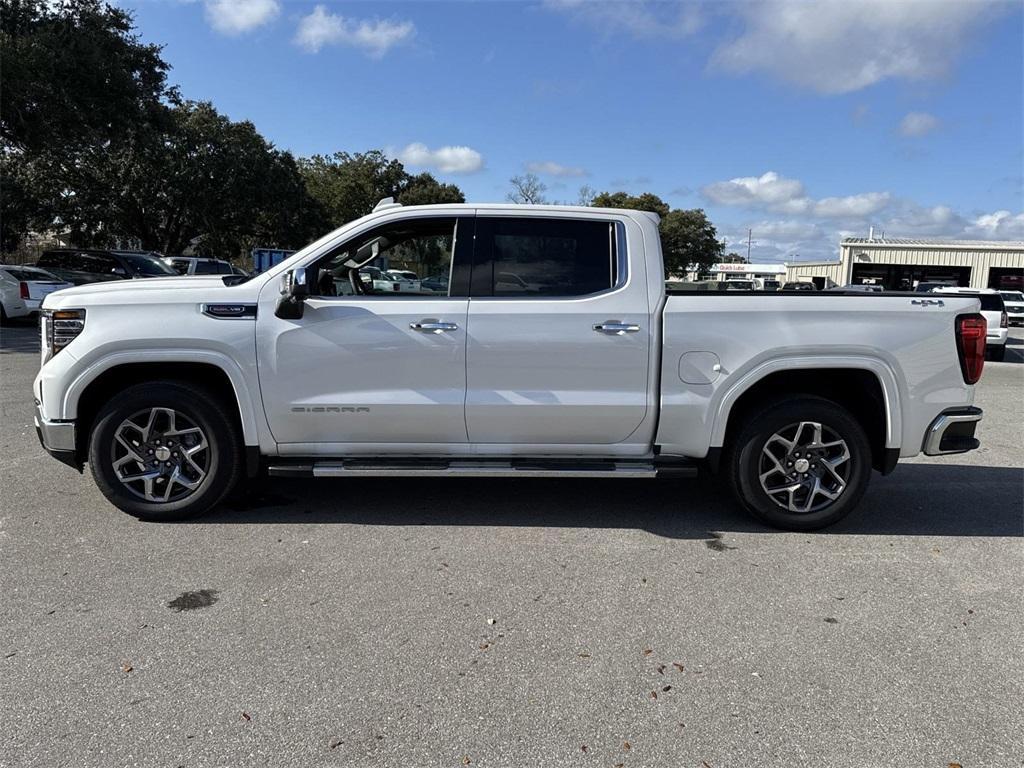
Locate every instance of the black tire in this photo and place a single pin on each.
(997, 354)
(193, 407)
(746, 461)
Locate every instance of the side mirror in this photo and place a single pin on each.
(294, 292)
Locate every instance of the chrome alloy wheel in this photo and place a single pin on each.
(804, 467)
(160, 455)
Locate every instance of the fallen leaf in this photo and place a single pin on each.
(648, 651)
(246, 716)
(705, 764)
(126, 667)
(336, 744)
(627, 746)
(654, 694)
(955, 765)
(661, 669)
(583, 748)
(678, 666)
(484, 646)
(666, 689)
(831, 620)
(970, 610)
(466, 760)
(583, 655)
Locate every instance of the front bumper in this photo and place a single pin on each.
(58, 439)
(953, 432)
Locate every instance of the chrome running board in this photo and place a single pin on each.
(416, 467)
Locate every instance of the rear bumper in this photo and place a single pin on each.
(953, 432)
(996, 337)
(58, 439)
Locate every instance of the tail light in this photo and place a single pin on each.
(970, 345)
(23, 290)
(1004, 319)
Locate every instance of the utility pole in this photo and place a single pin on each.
(749, 234)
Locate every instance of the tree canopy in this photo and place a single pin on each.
(98, 149)
(688, 239)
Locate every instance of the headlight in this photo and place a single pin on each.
(61, 326)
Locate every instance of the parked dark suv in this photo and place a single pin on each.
(79, 266)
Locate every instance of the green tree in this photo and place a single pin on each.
(74, 75)
(688, 239)
(200, 181)
(348, 186)
(424, 189)
(644, 202)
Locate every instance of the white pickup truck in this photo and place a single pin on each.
(555, 351)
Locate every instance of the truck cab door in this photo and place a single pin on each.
(374, 371)
(559, 345)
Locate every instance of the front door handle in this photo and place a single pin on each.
(433, 326)
(616, 328)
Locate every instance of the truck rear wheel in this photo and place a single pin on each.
(165, 451)
(803, 463)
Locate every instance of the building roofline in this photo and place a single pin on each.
(910, 243)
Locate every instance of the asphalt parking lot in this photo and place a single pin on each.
(514, 623)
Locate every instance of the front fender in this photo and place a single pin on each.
(244, 396)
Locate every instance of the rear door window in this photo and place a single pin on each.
(541, 257)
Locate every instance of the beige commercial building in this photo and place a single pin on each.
(900, 264)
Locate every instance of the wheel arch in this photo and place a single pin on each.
(867, 388)
(213, 371)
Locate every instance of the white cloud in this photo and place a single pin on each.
(444, 159)
(767, 190)
(776, 193)
(1001, 225)
(376, 37)
(549, 168)
(839, 46)
(918, 124)
(639, 19)
(233, 17)
(852, 206)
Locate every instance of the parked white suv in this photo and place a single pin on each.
(994, 311)
(177, 390)
(1014, 302)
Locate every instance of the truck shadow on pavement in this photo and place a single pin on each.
(917, 500)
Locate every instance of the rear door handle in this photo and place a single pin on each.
(616, 328)
(433, 326)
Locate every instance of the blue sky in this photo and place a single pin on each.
(802, 121)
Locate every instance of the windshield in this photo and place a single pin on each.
(147, 265)
(1014, 296)
(28, 274)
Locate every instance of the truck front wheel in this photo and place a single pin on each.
(165, 451)
(802, 463)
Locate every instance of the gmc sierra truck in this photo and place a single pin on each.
(545, 345)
